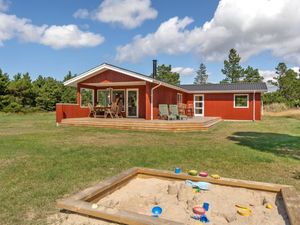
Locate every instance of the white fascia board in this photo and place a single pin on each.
(74, 81)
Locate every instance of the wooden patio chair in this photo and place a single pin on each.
(164, 112)
(92, 112)
(174, 111)
(112, 112)
(182, 108)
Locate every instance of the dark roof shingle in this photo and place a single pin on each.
(260, 86)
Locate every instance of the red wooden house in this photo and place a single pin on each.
(142, 95)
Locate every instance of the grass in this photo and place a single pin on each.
(290, 113)
(40, 163)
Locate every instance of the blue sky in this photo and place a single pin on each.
(35, 35)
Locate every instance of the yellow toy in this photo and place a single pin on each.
(243, 210)
(269, 206)
(215, 176)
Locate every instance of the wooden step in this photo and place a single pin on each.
(175, 126)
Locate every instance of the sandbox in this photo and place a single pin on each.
(129, 197)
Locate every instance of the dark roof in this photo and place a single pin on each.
(226, 87)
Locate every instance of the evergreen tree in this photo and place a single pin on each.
(252, 75)
(48, 92)
(164, 73)
(69, 93)
(232, 68)
(21, 93)
(202, 76)
(4, 98)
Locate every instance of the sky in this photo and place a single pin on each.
(50, 38)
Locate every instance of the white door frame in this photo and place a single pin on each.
(137, 102)
(199, 107)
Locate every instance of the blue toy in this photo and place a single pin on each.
(205, 206)
(156, 211)
(204, 219)
(177, 170)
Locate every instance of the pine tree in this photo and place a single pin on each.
(164, 73)
(252, 75)
(202, 76)
(232, 68)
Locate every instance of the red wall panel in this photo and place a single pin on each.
(110, 76)
(64, 111)
(221, 105)
(165, 95)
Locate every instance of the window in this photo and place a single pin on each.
(241, 101)
(179, 98)
(86, 97)
(103, 98)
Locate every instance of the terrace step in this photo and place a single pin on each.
(127, 124)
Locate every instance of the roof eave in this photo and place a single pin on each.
(228, 91)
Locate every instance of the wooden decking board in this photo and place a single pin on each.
(140, 124)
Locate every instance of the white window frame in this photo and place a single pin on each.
(102, 89)
(93, 97)
(179, 97)
(126, 100)
(198, 107)
(241, 107)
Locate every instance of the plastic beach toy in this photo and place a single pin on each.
(199, 210)
(269, 206)
(201, 185)
(243, 210)
(215, 176)
(193, 172)
(205, 206)
(177, 170)
(203, 174)
(204, 219)
(156, 211)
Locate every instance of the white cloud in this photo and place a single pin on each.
(267, 75)
(296, 69)
(4, 5)
(183, 71)
(128, 13)
(69, 36)
(169, 38)
(81, 13)
(250, 26)
(57, 37)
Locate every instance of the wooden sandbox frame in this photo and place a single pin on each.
(82, 202)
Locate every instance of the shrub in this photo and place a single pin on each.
(275, 107)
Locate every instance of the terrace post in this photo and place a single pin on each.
(78, 94)
(148, 101)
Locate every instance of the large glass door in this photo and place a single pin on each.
(132, 103)
(199, 105)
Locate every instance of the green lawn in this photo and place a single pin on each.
(40, 162)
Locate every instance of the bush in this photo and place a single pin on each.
(13, 107)
(275, 107)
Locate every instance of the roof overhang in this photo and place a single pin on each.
(90, 73)
(227, 91)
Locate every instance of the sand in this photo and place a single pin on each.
(178, 199)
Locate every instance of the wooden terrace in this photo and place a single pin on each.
(191, 124)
